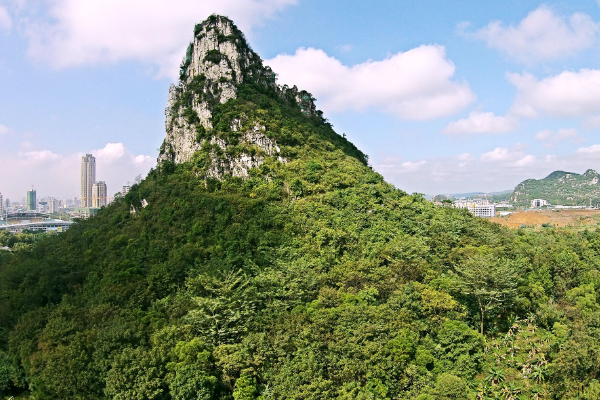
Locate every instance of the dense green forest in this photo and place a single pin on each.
(311, 278)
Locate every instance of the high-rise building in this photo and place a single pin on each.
(53, 205)
(99, 198)
(31, 200)
(1, 207)
(88, 178)
(125, 190)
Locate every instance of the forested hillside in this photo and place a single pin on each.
(308, 277)
(560, 188)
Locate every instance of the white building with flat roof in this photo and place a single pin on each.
(479, 207)
(485, 211)
(537, 203)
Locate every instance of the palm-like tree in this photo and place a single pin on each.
(510, 391)
(495, 376)
(538, 374)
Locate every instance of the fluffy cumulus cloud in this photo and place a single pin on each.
(591, 150)
(482, 122)
(416, 84)
(509, 157)
(541, 36)
(5, 19)
(71, 33)
(551, 138)
(568, 94)
(501, 168)
(57, 175)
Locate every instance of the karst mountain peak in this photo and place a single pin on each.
(217, 65)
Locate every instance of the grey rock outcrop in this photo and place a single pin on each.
(217, 63)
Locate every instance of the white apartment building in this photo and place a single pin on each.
(53, 205)
(536, 203)
(484, 211)
(99, 197)
(88, 178)
(479, 208)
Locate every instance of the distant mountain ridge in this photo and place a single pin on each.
(560, 187)
(492, 196)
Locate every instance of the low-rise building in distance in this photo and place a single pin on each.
(537, 203)
(478, 207)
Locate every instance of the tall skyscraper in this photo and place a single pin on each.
(31, 200)
(1, 207)
(99, 194)
(88, 178)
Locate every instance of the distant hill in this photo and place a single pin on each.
(560, 187)
(492, 196)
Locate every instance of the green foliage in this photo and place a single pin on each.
(245, 388)
(449, 387)
(135, 375)
(191, 116)
(186, 62)
(491, 282)
(213, 56)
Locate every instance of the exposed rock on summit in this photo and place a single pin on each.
(217, 63)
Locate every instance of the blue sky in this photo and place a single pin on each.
(443, 96)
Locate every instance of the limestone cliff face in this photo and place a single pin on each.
(217, 63)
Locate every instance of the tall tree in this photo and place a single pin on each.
(489, 281)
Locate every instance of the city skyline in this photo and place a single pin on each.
(92, 193)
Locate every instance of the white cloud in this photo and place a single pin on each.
(4, 130)
(39, 156)
(5, 19)
(541, 36)
(415, 85)
(593, 149)
(409, 166)
(345, 48)
(592, 122)
(78, 32)
(497, 169)
(465, 157)
(57, 175)
(525, 161)
(544, 135)
(569, 94)
(551, 138)
(498, 154)
(482, 122)
(111, 151)
(509, 157)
